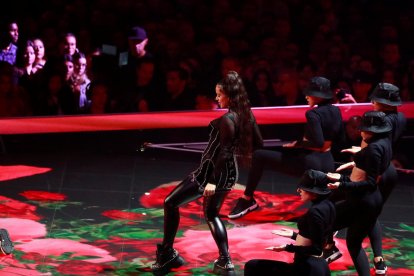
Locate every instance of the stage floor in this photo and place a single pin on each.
(99, 212)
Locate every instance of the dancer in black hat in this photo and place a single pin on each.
(364, 201)
(323, 127)
(314, 228)
(385, 98)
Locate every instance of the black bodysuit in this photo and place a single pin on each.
(364, 201)
(315, 225)
(323, 124)
(218, 166)
(218, 163)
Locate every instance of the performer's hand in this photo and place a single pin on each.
(334, 176)
(209, 190)
(277, 248)
(334, 186)
(283, 232)
(290, 145)
(345, 166)
(352, 150)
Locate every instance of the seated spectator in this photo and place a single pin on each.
(9, 36)
(204, 102)
(362, 85)
(40, 60)
(76, 100)
(54, 88)
(69, 45)
(287, 89)
(99, 95)
(68, 67)
(13, 98)
(179, 96)
(261, 93)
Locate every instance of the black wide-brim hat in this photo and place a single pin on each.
(319, 87)
(386, 93)
(315, 182)
(374, 121)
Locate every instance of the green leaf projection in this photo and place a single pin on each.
(123, 242)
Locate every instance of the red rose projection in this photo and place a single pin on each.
(43, 196)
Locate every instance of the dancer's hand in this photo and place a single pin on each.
(345, 166)
(283, 232)
(334, 186)
(209, 190)
(333, 176)
(352, 150)
(277, 248)
(290, 145)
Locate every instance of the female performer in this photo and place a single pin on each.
(323, 126)
(234, 132)
(385, 98)
(314, 228)
(363, 194)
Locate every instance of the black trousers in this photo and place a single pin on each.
(387, 183)
(359, 214)
(185, 192)
(291, 161)
(306, 266)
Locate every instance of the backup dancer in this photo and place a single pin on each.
(323, 126)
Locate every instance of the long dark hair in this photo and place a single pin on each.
(233, 87)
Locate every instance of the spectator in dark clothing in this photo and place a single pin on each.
(179, 96)
(9, 36)
(261, 92)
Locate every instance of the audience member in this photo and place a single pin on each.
(77, 98)
(179, 96)
(8, 43)
(261, 92)
(69, 45)
(40, 59)
(283, 35)
(287, 89)
(362, 85)
(13, 98)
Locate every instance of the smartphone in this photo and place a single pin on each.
(341, 93)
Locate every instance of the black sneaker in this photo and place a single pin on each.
(380, 267)
(6, 244)
(224, 266)
(243, 206)
(332, 254)
(167, 258)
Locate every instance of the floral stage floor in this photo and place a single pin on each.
(72, 213)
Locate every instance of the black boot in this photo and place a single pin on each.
(224, 266)
(167, 258)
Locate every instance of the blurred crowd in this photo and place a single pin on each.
(99, 56)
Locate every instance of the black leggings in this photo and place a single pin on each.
(185, 192)
(360, 216)
(387, 183)
(290, 161)
(308, 266)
